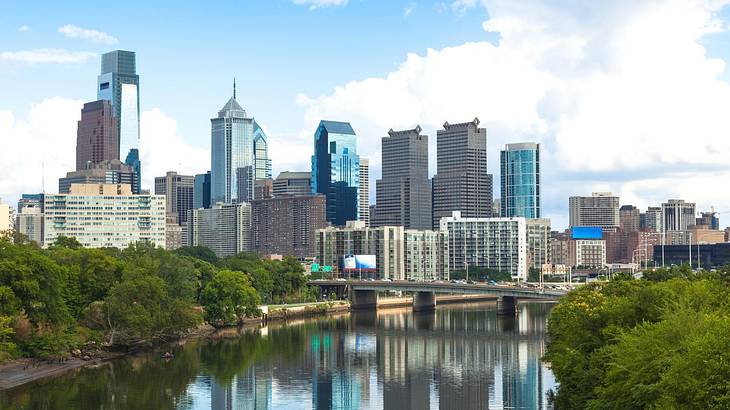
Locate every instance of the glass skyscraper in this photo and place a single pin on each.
(261, 153)
(336, 170)
(119, 83)
(520, 166)
(238, 146)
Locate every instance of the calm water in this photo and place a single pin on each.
(459, 357)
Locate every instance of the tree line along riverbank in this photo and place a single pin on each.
(68, 298)
(656, 343)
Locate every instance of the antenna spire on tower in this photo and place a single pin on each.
(234, 88)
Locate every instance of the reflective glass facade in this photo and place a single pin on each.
(119, 83)
(232, 156)
(520, 184)
(336, 170)
(261, 153)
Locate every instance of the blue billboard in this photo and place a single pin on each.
(586, 232)
(359, 262)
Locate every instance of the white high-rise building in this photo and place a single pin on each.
(426, 255)
(224, 228)
(364, 194)
(677, 215)
(104, 215)
(599, 209)
(493, 243)
(29, 222)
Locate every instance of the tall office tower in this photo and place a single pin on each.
(709, 220)
(629, 218)
(286, 225)
(651, 220)
(520, 180)
(403, 193)
(105, 172)
(119, 217)
(178, 191)
(224, 228)
(97, 137)
(261, 153)
(599, 209)
(462, 182)
(677, 215)
(364, 194)
(232, 160)
(336, 170)
(201, 191)
(292, 184)
(119, 83)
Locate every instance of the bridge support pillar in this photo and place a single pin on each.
(507, 305)
(424, 301)
(363, 299)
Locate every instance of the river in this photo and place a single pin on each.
(458, 357)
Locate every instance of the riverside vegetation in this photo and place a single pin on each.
(656, 343)
(56, 300)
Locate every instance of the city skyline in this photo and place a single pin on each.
(651, 171)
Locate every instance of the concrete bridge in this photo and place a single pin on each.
(364, 294)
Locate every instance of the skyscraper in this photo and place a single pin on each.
(104, 172)
(629, 218)
(97, 136)
(261, 153)
(178, 191)
(233, 165)
(462, 182)
(520, 180)
(403, 194)
(336, 170)
(201, 191)
(678, 215)
(119, 83)
(364, 194)
(224, 228)
(599, 209)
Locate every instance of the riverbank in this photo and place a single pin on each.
(17, 372)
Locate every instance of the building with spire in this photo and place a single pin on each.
(236, 140)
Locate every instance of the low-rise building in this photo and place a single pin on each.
(224, 228)
(492, 243)
(104, 215)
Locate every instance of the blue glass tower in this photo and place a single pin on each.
(232, 164)
(520, 165)
(336, 170)
(119, 83)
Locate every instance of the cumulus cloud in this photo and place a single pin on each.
(315, 4)
(163, 149)
(37, 148)
(46, 55)
(46, 137)
(621, 95)
(72, 31)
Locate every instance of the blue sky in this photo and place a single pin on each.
(623, 95)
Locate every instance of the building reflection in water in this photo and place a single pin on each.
(459, 357)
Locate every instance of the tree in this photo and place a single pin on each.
(198, 252)
(228, 298)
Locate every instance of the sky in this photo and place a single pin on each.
(628, 96)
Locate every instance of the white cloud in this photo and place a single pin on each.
(42, 146)
(315, 4)
(408, 10)
(621, 95)
(72, 31)
(162, 149)
(460, 6)
(46, 55)
(23, 28)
